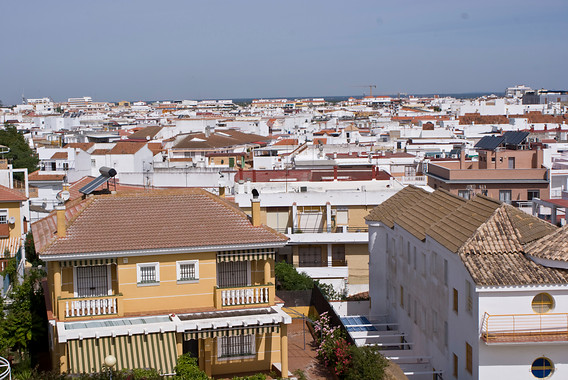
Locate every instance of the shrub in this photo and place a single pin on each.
(187, 369)
(333, 349)
(290, 279)
(258, 376)
(367, 363)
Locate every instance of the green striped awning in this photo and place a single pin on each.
(87, 263)
(137, 351)
(245, 255)
(213, 333)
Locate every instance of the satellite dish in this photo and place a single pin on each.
(12, 220)
(63, 196)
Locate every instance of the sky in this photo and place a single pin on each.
(133, 50)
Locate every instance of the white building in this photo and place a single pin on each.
(478, 287)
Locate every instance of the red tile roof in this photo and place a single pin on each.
(36, 176)
(82, 146)
(11, 195)
(127, 147)
(59, 156)
(286, 142)
(156, 219)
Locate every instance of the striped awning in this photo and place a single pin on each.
(213, 333)
(87, 263)
(245, 255)
(137, 351)
(12, 245)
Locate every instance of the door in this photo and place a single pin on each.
(191, 347)
(511, 162)
(92, 281)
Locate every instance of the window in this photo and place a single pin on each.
(505, 196)
(463, 193)
(469, 297)
(511, 162)
(542, 303)
(401, 297)
(455, 300)
(532, 194)
(455, 372)
(415, 258)
(338, 255)
(3, 216)
(542, 367)
(187, 270)
(446, 334)
(468, 358)
(233, 274)
(148, 273)
(91, 281)
(65, 166)
(445, 272)
(310, 256)
(234, 346)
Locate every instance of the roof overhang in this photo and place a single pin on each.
(486, 181)
(160, 251)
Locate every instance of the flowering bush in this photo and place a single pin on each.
(333, 349)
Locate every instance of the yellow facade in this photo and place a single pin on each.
(13, 209)
(166, 297)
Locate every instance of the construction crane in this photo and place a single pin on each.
(371, 86)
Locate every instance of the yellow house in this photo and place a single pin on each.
(147, 276)
(13, 222)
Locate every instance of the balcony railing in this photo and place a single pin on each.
(243, 296)
(88, 307)
(524, 328)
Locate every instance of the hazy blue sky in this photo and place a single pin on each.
(137, 50)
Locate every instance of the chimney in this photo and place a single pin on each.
(61, 226)
(222, 191)
(462, 158)
(255, 203)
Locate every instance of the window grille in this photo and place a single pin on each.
(187, 272)
(148, 273)
(92, 281)
(238, 345)
(233, 274)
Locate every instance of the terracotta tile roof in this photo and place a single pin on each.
(158, 219)
(59, 156)
(490, 237)
(82, 146)
(553, 247)
(389, 211)
(421, 216)
(219, 139)
(456, 228)
(11, 195)
(75, 186)
(286, 142)
(143, 133)
(100, 152)
(36, 176)
(470, 118)
(127, 147)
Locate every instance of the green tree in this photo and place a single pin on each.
(289, 279)
(23, 317)
(20, 155)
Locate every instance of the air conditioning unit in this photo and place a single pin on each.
(303, 189)
(12, 220)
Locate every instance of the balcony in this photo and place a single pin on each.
(69, 308)
(244, 296)
(524, 328)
